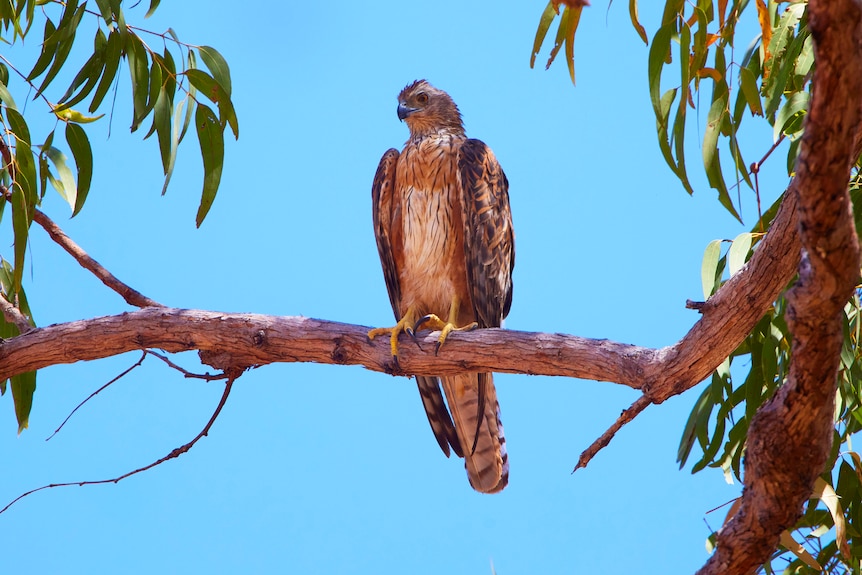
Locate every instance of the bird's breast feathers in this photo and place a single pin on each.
(433, 236)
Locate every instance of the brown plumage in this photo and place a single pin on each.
(444, 234)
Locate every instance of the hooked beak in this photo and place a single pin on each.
(404, 111)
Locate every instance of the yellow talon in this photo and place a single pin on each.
(433, 322)
(404, 325)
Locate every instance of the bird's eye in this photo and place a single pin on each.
(422, 98)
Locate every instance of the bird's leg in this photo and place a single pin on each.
(432, 321)
(405, 325)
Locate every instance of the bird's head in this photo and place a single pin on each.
(428, 110)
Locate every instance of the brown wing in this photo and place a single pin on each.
(382, 198)
(385, 212)
(489, 242)
(489, 250)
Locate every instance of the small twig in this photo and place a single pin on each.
(185, 372)
(725, 504)
(98, 391)
(627, 415)
(755, 169)
(173, 454)
(14, 316)
(131, 295)
(24, 77)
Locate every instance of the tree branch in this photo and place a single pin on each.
(790, 435)
(14, 316)
(230, 340)
(172, 455)
(626, 416)
(131, 295)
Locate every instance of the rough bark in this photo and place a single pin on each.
(790, 436)
(249, 339)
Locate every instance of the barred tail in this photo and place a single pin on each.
(488, 464)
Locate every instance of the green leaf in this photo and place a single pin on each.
(66, 187)
(780, 80)
(217, 66)
(153, 5)
(172, 158)
(792, 154)
(155, 84)
(805, 59)
(90, 72)
(662, 117)
(78, 142)
(23, 387)
(713, 129)
(6, 97)
(708, 268)
(113, 50)
(748, 84)
(741, 166)
(47, 55)
(689, 432)
(162, 124)
(738, 252)
(169, 82)
(18, 126)
(548, 16)
(797, 104)
(24, 180)
(105, 9)
(190, 100)
(207, 86)
(679, 122)
(711, 157)
(21, 218)
(59, 59)
(658, 55)
(138, 70)
(672, 9)
(68, 26)
(211, 140)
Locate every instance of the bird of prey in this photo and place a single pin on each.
(444, 234)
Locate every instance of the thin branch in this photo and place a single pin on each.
(132, 296)
(626, 416)
(14, 316)
(187, 374)
(172, 455)
(97, 392)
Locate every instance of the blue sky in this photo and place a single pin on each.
(322, 469)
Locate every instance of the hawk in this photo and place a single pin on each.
(444, 234)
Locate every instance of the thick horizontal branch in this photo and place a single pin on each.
(245, 340)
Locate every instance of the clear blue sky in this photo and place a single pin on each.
(323, 469)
